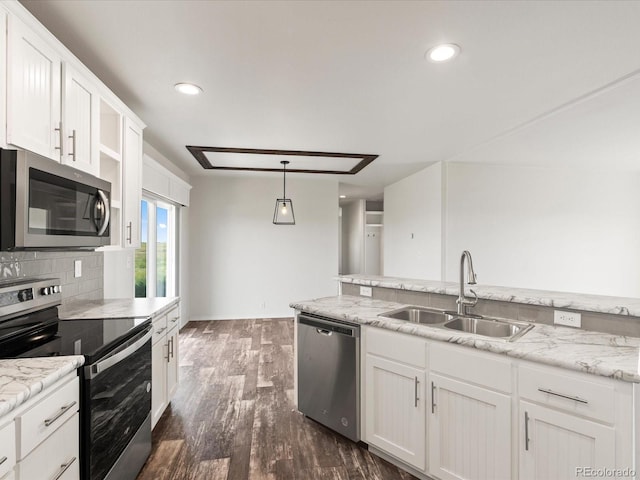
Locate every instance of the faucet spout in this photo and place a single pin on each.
(462, 302)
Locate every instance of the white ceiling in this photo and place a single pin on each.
(350, 76)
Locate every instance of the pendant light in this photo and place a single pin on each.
(283, 214)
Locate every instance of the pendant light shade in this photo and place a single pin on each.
(283, 213)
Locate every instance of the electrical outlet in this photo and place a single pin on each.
(366, 291)
(77, 268)
(570, 319)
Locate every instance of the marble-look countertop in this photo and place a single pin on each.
(23, 378)
(544, 298)
(590, 352)
(115, 308)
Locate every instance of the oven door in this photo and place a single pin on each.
(58, 206)
(116, 403)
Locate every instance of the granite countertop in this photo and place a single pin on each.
(544, 298)
(115, 308)
(23, 378)
(590, 352)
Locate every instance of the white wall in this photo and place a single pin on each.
(243, 266)
(353, 237)
(545, 228)
(542, 228)
(413, 225)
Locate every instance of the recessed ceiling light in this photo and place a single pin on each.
(188, 88)
(343, 196)
(443, 53)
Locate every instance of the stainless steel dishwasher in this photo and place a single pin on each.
(329, 373)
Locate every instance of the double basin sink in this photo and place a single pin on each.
(485, 326)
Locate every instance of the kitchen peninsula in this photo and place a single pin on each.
(445, 403)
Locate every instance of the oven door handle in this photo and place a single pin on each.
(92, 371)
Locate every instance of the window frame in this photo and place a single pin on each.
(172, 261)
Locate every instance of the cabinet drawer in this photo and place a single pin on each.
(45, 417)
(7, 448)
(57, 455)
(568, 391)
(397, 346)
(173, 317)
(486, 369)
(159, 328)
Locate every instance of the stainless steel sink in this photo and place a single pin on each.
(423, 315)
(485, 326)
(489, 327)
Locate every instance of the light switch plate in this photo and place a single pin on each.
(77, 268)
(569, 319)
(366, 291)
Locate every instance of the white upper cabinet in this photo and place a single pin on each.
(80, 105)
(3, 78)
(33, 92)
(132, 183)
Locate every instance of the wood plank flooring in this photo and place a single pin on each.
(234, 418)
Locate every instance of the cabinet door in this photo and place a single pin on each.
(3, 79)
(80, 122)
(158, 380)
(132, 183)
(469, 431)
(33, 92)
(560, 446)
(395, 403)
(172, 363)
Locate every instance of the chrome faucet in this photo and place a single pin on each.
(463, 303)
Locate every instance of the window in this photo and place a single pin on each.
(156, 258)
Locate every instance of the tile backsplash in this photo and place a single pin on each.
(58, 264)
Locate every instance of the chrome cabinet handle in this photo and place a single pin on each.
(129, 229)
(415, 392)
(3, 459)
(63, 468)
(49, 421)
(60, 138)
(174, 320)
(169, 349)
(526, 431)
(161, 330)
(433, 397)
(73, 145)
(561, 395)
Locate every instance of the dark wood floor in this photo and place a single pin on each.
(234, 416)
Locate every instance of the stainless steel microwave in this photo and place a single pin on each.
(47, 205)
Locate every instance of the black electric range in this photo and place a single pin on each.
(115, 403)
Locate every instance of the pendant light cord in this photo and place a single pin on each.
(284, 180)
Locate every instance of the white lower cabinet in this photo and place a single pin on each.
(469, 431)
(560, 446)
(461, 413)
(56, 457)
(470, 421)
(395, 409)
(42, 438)
(164, 361)
(394, 375)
